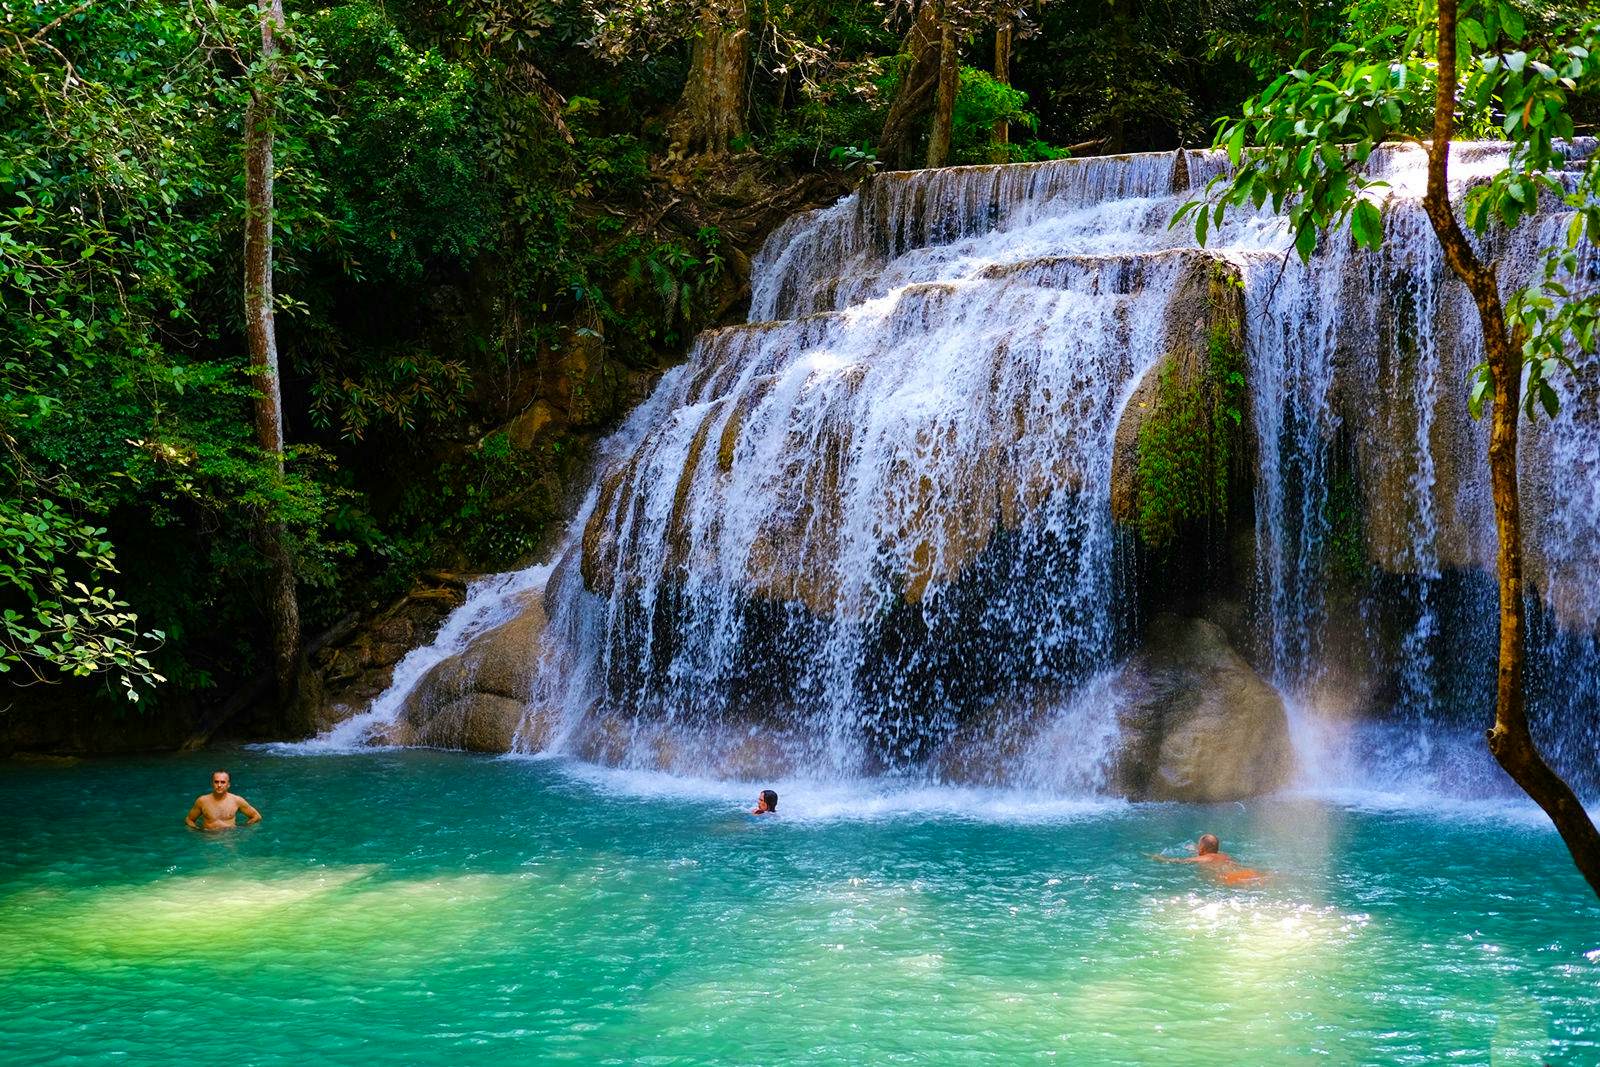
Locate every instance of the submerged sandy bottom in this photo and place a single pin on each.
(431, 908)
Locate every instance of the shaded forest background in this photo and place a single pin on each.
(497, 222)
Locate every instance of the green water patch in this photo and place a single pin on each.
(423, 907)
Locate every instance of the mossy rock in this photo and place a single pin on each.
(1179, 444)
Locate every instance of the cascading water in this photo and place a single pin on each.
(870, 531)
(882, 514)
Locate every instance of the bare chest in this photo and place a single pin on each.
(223, 810)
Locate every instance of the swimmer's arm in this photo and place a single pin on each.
(1172, 859)
(194, 813)
(252, 816)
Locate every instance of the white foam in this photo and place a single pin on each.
(490, 602)
(1515, 809)
(847, 800)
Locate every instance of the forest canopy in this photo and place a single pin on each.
(481, 208)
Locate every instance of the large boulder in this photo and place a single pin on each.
(1197, 723)
(477, 699)
(476, 722)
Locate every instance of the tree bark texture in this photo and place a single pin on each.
(944, 108)
(261, 335)
(710, 112)
(1510, 740)
(1122, 23)
(1002, 74)
(914, 98)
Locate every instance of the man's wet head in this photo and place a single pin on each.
(1207, 845)
(220, 784)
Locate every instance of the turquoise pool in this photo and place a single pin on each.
(424, 907)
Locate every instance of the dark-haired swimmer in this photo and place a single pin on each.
(766, 803)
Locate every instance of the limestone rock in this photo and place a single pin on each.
(358, 665)
(476, 700)
(505, 657)
(525, 427)
(1198, 724)
(476, 722)
(1143, 406)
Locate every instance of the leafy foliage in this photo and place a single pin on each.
(474, 213)
(981, 102)
(46, 558)
(1311, 134)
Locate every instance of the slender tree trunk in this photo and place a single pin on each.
(711, 110)
(1002, 74)
(260, 115)
(1510, 740)
(944, 110)
(1122, 22)
(918, 82)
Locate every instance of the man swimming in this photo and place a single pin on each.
(220, 808)
(1208, 851)
(766, 803)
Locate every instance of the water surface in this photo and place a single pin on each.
(426, 907)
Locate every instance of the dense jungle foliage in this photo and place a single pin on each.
(496, 219)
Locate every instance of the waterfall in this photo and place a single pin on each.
(1360, 373)
(870, 530)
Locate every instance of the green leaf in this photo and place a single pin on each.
(1305, 241)
(1511, 22)
(1367, 224)
(1482, 392)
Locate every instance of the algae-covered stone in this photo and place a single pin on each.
(1178, 440)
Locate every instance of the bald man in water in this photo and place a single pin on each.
(220, 808)
(1208, 851)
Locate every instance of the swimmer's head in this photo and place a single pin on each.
(769, 800)
(1207, 845)
(220, 782)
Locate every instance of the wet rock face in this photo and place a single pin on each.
(1198, 724)
(354, 669)
(476, 722)
(477, 700)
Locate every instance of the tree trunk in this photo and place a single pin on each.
(710, 112)
(1510, 740)
(1122, 22)
(1002, 74)
(260, 116)
(944, 113)
(914, 98)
